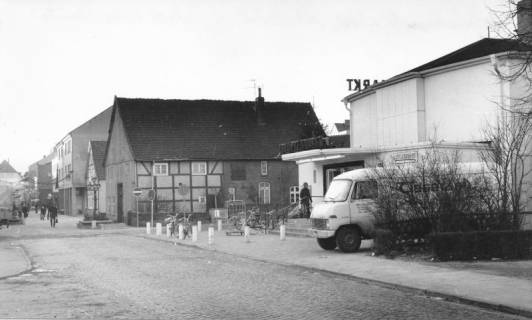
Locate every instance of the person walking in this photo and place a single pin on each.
(305, 199)
(52, 211)
(43, 211)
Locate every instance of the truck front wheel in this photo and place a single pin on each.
(327, 243)
(348, 239)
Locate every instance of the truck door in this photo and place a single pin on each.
(362, 204)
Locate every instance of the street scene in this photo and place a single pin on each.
(90, 275)
(266, 160)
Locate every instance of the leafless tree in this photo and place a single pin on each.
(506, 157)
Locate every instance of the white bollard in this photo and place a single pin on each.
(93, 224)
(246, 233)
(219, 225)
(282, 232)
(194, 233)
(199, 226)
(158, 228)
(148, 228)
(211, 235)
(181, 232)
(168, 231)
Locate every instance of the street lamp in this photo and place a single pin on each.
(94, 186)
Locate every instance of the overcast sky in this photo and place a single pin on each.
(62, 62)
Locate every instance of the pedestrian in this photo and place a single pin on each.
(305, 199)
(52, 212)
(25, 209)
(37, 205)
(43, 211)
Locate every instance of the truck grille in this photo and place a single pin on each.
(319, 224)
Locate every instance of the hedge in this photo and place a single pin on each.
(507, 244)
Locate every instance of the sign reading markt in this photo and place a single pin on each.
(360, 84)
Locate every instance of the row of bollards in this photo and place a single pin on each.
(197, 228)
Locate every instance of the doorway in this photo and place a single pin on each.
(119, 202)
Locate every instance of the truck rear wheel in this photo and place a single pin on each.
(348, 239)
(327, 243)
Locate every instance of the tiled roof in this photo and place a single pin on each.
(481, 48)
(210, 129)
(5, 167)
(98, 153)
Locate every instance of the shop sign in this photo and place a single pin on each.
(405, 157)
(360, 84)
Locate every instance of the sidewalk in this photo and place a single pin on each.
(504, 293)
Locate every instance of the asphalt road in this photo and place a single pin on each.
(123, 276)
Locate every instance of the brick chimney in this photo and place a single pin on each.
(259, 108)
(524, 21)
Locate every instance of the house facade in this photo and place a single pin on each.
(40, 173)
(70, 163)
(8, 173)
(198, 154)
(447, 101)
(96, 178)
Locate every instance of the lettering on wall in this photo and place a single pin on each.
(360, 84)
(404, 157)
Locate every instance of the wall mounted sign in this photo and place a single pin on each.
(404, 157)
(360, 84)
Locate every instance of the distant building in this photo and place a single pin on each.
(96, 178)
(70, 162)
(41, 176)
(197, 154)
(8, 173)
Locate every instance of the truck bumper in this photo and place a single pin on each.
(322, 233)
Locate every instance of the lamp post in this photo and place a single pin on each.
(94, 186)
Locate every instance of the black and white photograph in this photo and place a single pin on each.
(272, 159)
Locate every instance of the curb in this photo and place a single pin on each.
(384, 284)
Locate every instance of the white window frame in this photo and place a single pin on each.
(160, 169)
(264, 168)
(199, 168)
(294, 194)
(264, 189)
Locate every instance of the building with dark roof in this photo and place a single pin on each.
(448, 100)
(197, 154)
(96, 177)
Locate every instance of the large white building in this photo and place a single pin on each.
(448, 100)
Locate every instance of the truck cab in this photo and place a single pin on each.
(345, 216)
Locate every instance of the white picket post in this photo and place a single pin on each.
(148, 228)
(282, 232)
(199, 226)
(246, 233)
(93, 224)
(168, 231)
(158, 228)
(181, 232)
(211, 235)
(194, 233)
(219, 225)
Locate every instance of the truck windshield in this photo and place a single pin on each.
(338, 190)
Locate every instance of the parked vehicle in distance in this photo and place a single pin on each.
(7, 200)
(345, 216)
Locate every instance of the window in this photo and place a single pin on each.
(238, 171)
(338, 191)
(232, 193)
(199, 168)
(264, 193)
(294, 194)
(365, 190)
(264, 168)
(160, 169)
